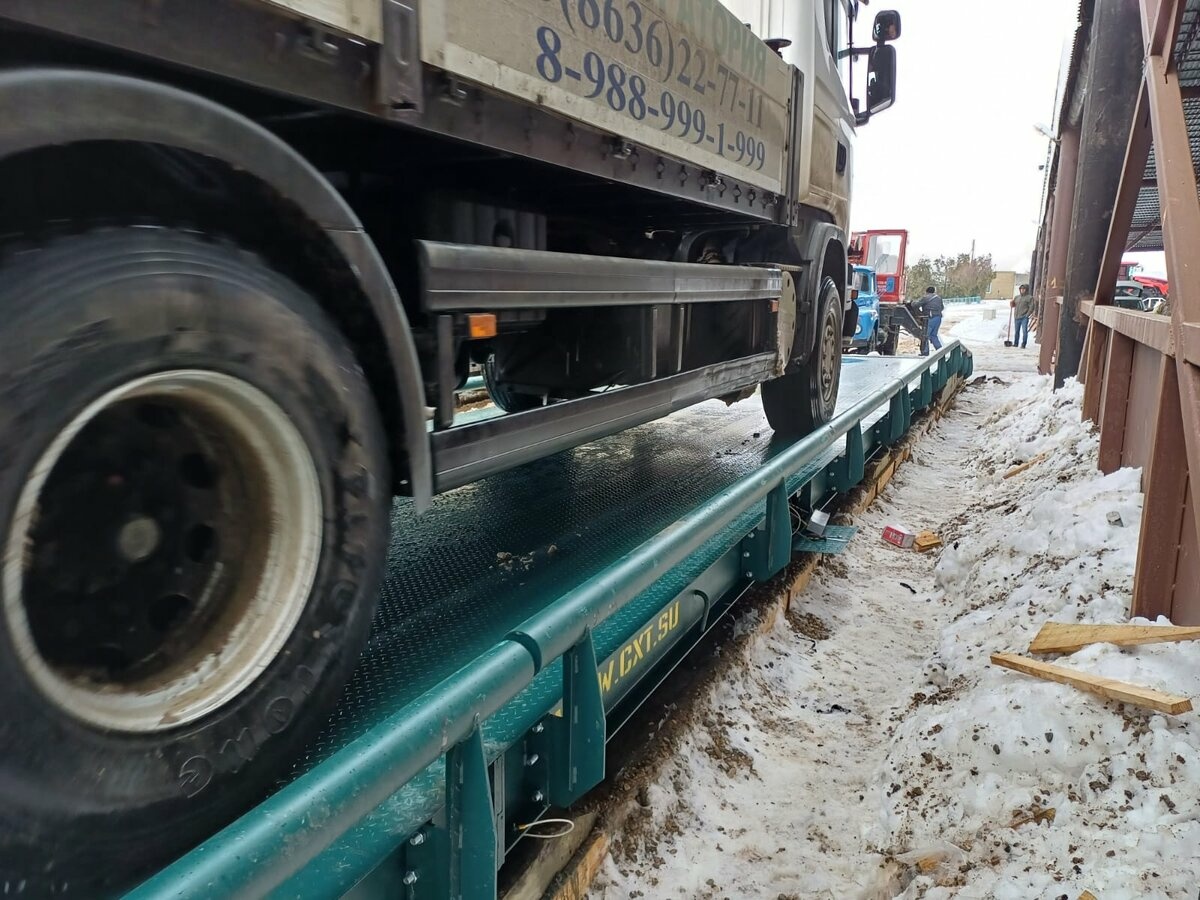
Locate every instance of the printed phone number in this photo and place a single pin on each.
(627, 24)
(628, 93)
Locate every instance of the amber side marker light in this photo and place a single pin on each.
(481, 325)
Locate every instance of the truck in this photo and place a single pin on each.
(882, 253)
(1132, 271)
(865, 295)
(248, 251)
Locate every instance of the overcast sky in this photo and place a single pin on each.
(956, 159)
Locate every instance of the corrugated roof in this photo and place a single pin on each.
(1069, 72)
(1146, 230)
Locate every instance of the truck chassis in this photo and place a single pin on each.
(248, 252)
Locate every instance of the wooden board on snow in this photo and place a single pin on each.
(1017, 470)
(1060, 637)
(1121, 691)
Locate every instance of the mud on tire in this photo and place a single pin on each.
(800, 402)
(191, 461)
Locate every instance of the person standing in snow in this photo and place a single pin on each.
(1022, 310)
(930, 305)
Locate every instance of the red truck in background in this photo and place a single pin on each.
(884, 251)
(1129, 270)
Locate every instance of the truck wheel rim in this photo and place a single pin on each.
(162, 550)
(830, 351)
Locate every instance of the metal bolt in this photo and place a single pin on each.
(138, 538)
(417, 839)
(539, 728)
(454, 91)
(410, 877)
(621, 149)
(538, 796)
(746, 554)
(749, 574)
(531, 759)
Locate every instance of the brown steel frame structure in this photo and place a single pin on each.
(1141, 372)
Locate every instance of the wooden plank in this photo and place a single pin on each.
(803, 579)
(1181, 232)
(1110, 688)
(886, 476)
(1091, 369)
(1164, 482)
(551, 858)
(1114, 401)
(1189, 342)
(926, 541)
(1189, 401)
(1060, 637)
(576, 880)
(1017, 470)
(1144, 327)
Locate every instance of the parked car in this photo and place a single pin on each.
(1131, 271)
(1136, 295)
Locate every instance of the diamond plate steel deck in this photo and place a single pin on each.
(487, 556)
(524, 549)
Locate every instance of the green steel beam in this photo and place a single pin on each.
(778, 530)
(278, 838)
(470, 821)
(851, 467)
(767, 549)
(896, 422)
(578, 733)
(925, 392)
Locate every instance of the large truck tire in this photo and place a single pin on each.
(194, 506)
(890, 342)
(800, 402)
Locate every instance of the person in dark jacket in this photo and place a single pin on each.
(1023, 307)
(931, 305)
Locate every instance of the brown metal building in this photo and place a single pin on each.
(1123, 177)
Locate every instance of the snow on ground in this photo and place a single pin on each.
(867, 749)
(969, 322)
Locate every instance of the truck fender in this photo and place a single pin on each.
(785, 324)
(42, 107)
(821, 240)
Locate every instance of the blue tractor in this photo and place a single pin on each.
(862, 289)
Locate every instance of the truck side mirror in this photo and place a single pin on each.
(881, 81)
(887, 26)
